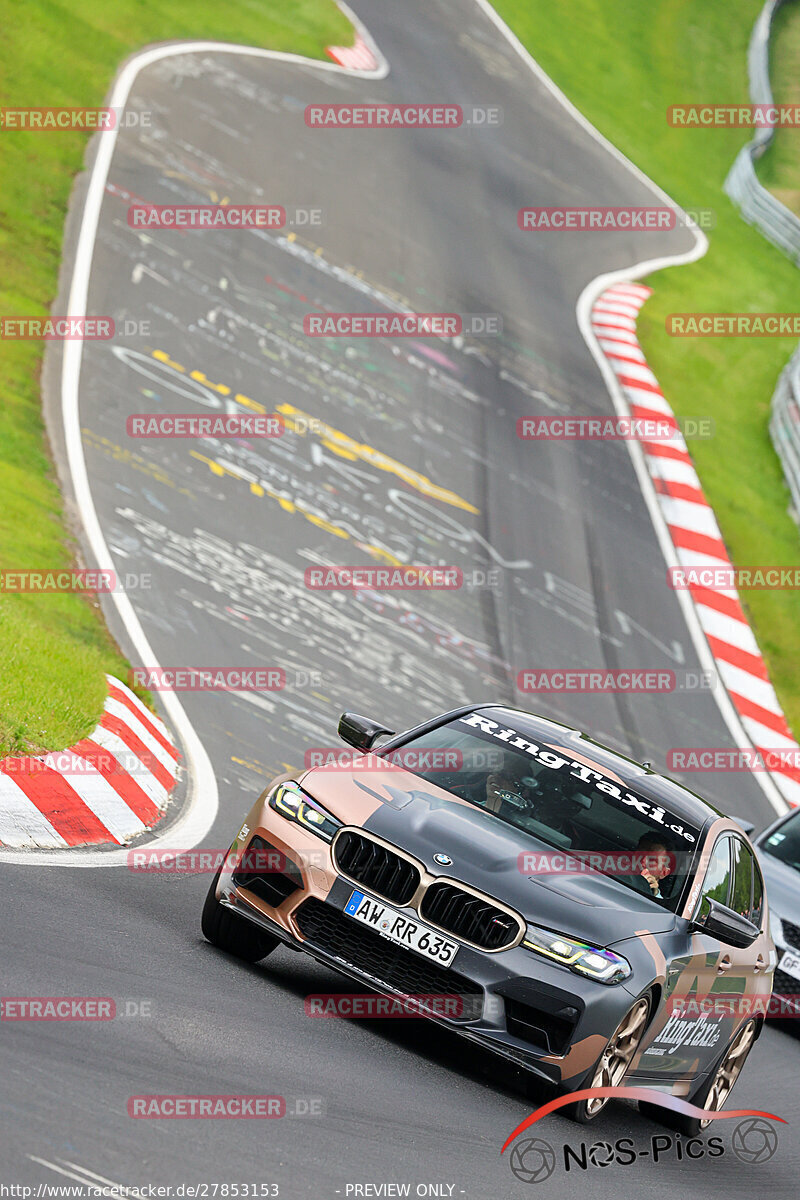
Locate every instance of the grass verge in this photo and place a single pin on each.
(633, 61)
(55, 649)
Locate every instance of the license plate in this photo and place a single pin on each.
(397, 927)
(790, 963)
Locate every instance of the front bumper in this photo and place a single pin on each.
(785, 1000)
(537, 1014)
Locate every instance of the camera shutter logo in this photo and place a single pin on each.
(754, 1140)
(533, 1160)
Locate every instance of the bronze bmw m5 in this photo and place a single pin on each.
(538, 893)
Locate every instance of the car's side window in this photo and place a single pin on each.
(748, 887)
(742, 896)
(716, 884)
(757, 907)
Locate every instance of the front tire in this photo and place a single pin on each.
(228, 931)
(612, 1065)
(713, 1092)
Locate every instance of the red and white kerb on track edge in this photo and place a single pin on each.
(695, 534)
(358, 57)
(104, 790)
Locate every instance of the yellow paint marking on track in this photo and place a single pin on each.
(252, 765)
(121, 454)
(346, 447)
(337, 442)
(222, 388)
(289, 506)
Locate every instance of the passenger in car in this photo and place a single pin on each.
(657, 866)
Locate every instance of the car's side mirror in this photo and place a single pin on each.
(360, 732)
(727, 925)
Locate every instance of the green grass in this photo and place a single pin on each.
(779, 168)
(623, 64)
(54, 650)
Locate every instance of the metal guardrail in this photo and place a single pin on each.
(759, 207)
(784, 425)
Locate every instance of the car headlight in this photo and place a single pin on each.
(294, 804)
(595, 962)
(776, 929)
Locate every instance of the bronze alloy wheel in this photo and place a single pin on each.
(711, 1094)
(614, 1061)
(617, 1056)
(728, 1070)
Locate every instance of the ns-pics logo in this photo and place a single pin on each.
(533, 1160)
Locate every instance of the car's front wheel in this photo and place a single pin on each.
(714, 1091)
(228, 931)
(612, 1065)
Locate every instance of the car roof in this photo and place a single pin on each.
(681, 801)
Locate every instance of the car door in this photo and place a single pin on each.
(694, 1022)
(751, 963)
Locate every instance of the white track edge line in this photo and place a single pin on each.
(202, 804)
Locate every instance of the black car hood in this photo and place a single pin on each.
(424, 820)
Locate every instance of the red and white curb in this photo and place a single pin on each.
(358, 57)
(696, 537)
(105, 789)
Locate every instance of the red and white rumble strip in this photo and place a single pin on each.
(358, 57)
(696, 536)
(105, 789)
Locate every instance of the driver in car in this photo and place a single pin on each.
(504, 785)
(656, 866)
(548, 801)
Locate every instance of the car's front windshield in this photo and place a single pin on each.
(591, 818)
(784, 843)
